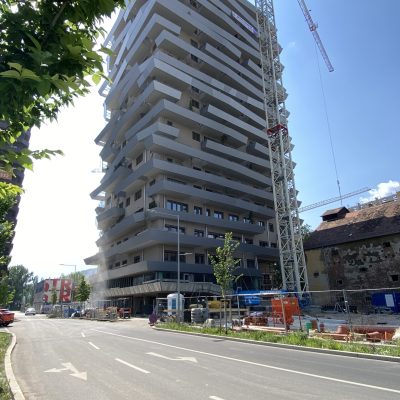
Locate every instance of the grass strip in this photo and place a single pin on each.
(292, 338)
(5, 393)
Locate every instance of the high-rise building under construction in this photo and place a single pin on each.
(185, 151)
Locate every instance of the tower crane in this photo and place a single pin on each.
(313, 28)
(333, 199)
(290, 242)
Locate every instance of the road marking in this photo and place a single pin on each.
(70, 367)
(192, 359)
(132, 366)
(327, 378)
(83, 335)
(93, 345)
(215, 398)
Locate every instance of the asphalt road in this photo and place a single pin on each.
(78, 359)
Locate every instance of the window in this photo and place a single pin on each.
(170, 123)
(248, 241)
(197, 168)
(138, 194)
(198, 233)
(139, 159)
(171, 255)
(198, 210)
(316, 274)
(208, 212)
(274, 245)
(215, 235)
(218, 214)
(263, 244)
(194, 43)
(136, 259)
(121, 205)
(197, 187)
(194, 103)
(195, 59)
(261, 223)
(363, 269)
(233, 217)
(339, 282)
(247, 220)
(152, 182)
(199, 258)
(251, 263)
(271, 227)
(194, 3)
(394, 278)
(124, 262)
(174, 228)
(196, 136)
(177, 206)
(237, 238)
(194, 89)
(127, 202)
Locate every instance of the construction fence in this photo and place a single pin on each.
(286, 310)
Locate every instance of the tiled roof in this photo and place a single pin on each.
(369, 222)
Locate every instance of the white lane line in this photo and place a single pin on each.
(93, 345)
(327, 378)
(83, 335)
(132, 366)
(215, 398)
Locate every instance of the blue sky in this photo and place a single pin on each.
(56, 224)
(361, 38)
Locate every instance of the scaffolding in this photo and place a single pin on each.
(291, 253)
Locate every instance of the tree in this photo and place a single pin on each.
(53, 297)
(6, 293)
(20, 279)
(224, 267)
(83, 290)
(6, 227)
(305, 231)
(48, 52)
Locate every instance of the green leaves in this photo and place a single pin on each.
(224, 264)
(48, 53)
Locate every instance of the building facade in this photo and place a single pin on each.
(356, 249)
(184, 144)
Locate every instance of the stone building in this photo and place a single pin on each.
(357, 248)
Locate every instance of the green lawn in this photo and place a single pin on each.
(295, 338)
(5, 339)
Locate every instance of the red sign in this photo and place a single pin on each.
(62, 287)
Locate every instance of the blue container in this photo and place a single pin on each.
(386, 300)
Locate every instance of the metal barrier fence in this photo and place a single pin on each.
(282, 309)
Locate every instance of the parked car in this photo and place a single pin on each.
(6, 317)
(30, 311)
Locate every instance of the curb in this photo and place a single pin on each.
(15, 389)
(291, 346)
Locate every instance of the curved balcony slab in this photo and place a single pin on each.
(109, 216)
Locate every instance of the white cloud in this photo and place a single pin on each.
(383, 189)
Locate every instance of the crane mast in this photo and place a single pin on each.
(291, 253)
(313, 28)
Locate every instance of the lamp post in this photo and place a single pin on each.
(73, 280)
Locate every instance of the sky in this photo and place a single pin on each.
(57, 222)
